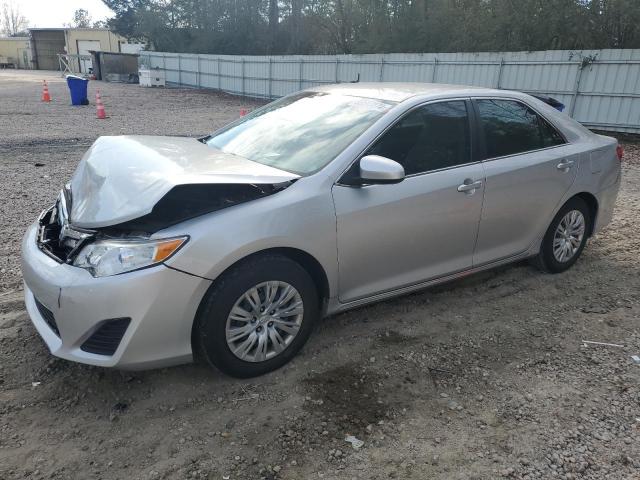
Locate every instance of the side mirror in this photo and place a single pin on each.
(375, 169)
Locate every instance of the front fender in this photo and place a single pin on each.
(295, 218)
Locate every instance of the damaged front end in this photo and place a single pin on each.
(56, 237)
(184, 202)
(126, 189)
(65, 242)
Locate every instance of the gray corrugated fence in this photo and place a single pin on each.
(601, 88)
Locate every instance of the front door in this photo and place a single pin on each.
(528, 167)
(393, 236)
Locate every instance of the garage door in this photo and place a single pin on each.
(84, 46)
(47, 44)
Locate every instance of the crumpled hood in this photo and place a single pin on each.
(122, 178)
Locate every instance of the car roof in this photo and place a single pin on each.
(401, 91)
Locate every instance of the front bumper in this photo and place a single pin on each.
(161, 303)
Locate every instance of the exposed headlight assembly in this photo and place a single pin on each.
(111, 257)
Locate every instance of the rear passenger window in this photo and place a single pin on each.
(550, 136)
(511, 127)
(429, 138)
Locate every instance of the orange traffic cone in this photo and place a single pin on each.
(45, 92)
(100, 113)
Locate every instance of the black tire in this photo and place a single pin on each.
(210, 325)
(546, 260)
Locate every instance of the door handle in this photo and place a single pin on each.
(565, 165)
(469, 186)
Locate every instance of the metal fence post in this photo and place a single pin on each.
(270, 77)
(198, 70)
(381, 68)
(500, 73)
(219, 75)
(300, 73)
(179, 70)
(337, 65)
(435, 70)
(576, 90)
(243, 90)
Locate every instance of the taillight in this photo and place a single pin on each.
(619, 152)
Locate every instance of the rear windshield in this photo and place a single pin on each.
(300, 133)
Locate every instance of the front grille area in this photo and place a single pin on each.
(48, 317)
(107, 337)
(56, 237)
(49, 235)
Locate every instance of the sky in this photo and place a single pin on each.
(55, 13)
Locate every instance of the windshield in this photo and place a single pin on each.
(300, 133)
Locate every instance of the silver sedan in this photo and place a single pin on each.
(230, 247)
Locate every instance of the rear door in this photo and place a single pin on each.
(392, 236)
(529, 167)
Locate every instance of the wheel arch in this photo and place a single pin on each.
(592, 202)
(308, 262)
(313, 267)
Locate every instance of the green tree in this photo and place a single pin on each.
(370, 26)
(81, 18)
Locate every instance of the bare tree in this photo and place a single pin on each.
(12, 22)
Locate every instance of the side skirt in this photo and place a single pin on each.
(335, 306)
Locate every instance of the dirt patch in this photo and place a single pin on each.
(348, 395)
(393, 337)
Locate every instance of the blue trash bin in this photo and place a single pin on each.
(78, 90)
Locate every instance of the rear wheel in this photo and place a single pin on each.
(257, 316)
(565, 238)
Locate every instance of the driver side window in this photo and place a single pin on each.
(429, 138)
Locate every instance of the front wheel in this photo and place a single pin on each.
(565, 238)
(257, 316)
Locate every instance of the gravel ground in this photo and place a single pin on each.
(481, 378)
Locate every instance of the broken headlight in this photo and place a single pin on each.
(111, 257)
